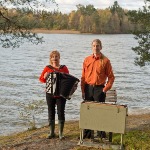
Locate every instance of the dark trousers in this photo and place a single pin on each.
(51, 103)
(94, 93)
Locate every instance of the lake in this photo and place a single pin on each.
(20, 69)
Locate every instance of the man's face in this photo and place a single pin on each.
(96, 48)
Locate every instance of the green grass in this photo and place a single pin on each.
(134, 140)
(137, 140)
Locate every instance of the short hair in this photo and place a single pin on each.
(54, 52)
(97, 41)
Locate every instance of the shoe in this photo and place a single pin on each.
(101, 134)
(87, 134)
(62, 137)
(105, 140)
(51, 136)
(61, 127)
(52, 129)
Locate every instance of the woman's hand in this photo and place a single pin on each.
(45, 75)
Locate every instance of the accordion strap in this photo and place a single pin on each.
(51, 67)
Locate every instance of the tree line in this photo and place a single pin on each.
(16, 24)
(85, 19)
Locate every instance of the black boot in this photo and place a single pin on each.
(61, 127)
(52, 129)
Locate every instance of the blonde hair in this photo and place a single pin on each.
(97, 41)
(54, 52)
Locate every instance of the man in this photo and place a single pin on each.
(97, 78)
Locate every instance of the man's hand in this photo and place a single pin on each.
(103, 94)
(102, 97)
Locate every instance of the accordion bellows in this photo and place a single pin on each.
(61, 84)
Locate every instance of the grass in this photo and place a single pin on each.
(138, 139)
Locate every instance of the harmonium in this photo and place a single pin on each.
(103, 117)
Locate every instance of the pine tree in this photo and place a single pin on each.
(142, 17)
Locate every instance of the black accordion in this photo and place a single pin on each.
(61, 84)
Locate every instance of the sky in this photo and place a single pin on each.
(66, 6)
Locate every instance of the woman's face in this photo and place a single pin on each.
(55, 58)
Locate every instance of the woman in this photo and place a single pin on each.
(52, 101)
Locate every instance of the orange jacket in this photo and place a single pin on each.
(49, 70)
(96, 71)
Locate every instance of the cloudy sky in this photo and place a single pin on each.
(66, 6)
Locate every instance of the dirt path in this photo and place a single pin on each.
(138, 122)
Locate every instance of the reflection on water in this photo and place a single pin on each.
(20, 69)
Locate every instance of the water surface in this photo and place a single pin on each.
(20, 69)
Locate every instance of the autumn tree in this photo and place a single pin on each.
(118, 14)
(89, 18)
(104, 17)
(74, 20)
(142, 17)
(86, 10)
(82, 26)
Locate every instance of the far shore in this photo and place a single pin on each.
(55, 31)
(46, 31)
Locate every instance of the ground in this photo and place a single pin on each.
(36, 139)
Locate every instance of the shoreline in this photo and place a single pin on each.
(65, 31)
(132, 121)
(46, 31)
(137, 121)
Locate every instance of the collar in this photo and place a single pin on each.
(98, 56)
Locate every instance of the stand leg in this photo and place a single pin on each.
(110, 136)
(81, 136)
(121, 141)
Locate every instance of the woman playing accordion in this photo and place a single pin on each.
(59, 87)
